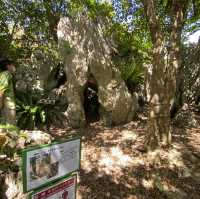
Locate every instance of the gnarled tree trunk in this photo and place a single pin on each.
(163, 78)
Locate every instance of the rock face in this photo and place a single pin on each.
(87, 52)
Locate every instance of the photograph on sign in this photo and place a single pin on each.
(62, 190)
(51, 162)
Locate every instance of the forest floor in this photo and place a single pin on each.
(113, 166)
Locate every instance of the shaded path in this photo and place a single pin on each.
(113, 168)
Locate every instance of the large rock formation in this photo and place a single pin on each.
(87, 52)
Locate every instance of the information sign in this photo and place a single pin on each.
(48, 163)
(63, 190)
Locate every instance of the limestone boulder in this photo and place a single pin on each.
(11, 186)
(86, 52)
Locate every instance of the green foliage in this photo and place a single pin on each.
(37, 112)
(132, 53)
(98, 9)
(9, 127)
(94, 9)
(133, 73)
(192, 23)
(30, 113)
(25, 25)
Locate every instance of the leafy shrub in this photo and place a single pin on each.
(33, 112)
(30, 113)
(133, 75)
(131, 53)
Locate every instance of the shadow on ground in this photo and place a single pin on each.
(114, 168)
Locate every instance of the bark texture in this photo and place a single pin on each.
(162, 82)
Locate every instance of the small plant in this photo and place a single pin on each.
(133, 75)
(30, 113)
(36, 113)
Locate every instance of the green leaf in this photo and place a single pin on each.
(43, 116)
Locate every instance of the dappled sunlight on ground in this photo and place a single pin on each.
(114, 158)
(118, 170)
(113, 167)
(108, 160)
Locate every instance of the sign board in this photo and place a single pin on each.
(63, 190)
(48, 163)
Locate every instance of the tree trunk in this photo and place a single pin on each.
(178, 11)
(158, 118)
(163, 77)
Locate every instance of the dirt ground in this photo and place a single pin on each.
(113, 167)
